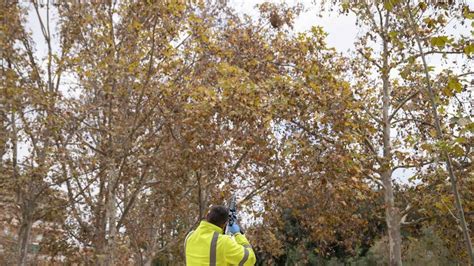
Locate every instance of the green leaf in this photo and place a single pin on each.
(388, 5)
(439, 41)
(393, 34)
(457, 150)
(454, 85)
(469, 49)
(467, 14)
(470, 127)
(427, 147)
(461, 140)
(429, 22)
(345, 5)
(442, 110)
(423, 6)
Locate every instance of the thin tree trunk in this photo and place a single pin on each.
(148, 262)
(392, 218)
(24, 237)
(3, 132)
(25, 228)
(439, 135)
(392, 214)
(201, 207)
(111, 213)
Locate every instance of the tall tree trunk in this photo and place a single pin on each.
(392, 214)
(392, 218)
(439, 135)
(111, 217)
(24, 236)
(26, 217)
(148, 261)
(3, 132)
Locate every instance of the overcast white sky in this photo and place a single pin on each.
(341, 29)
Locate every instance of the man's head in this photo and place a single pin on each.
(218, 215)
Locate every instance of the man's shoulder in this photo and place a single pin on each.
(230, 240)
(225, 237)
(224, 242)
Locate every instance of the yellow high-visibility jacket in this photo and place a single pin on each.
(207, 245)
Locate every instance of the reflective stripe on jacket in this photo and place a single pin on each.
(207, 245)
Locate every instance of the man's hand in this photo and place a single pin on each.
(234, 228)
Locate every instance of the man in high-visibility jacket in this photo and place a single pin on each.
(207, 245)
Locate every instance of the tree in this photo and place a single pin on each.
(188, 120)
(404, 110)
(439, 132)
(31, 115)
(119, 118)
(310, 131)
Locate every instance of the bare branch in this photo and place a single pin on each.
(369, 59)
(421, 164)
(311, 132)
(402, 103)
(378, 120)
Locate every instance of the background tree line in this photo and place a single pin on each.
(142, 114)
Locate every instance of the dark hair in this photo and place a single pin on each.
(218, 215)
